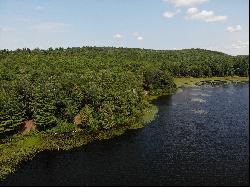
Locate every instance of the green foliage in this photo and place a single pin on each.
(62, 127)
(105, 86)
(11, 110)
(156, 80)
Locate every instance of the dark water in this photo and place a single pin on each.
(200, 137)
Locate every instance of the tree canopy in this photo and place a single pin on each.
(103, 85)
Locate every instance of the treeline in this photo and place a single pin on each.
(104, 87)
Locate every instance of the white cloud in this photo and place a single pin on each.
(5, 29)
(240, 44)
(192, 11)
(204, 15)
(39, 7)
(234, 28)
(169, 14)
(186, 3)
(118, 36)
(50, 27)
(140, 38)
(21, 19)
(136, 34)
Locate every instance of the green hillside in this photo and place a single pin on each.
(96, 88)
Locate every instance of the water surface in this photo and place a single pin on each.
(199, 137)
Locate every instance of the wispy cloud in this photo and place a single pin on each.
(236, 28)
(169, 14)
(118, 36)
(50, 27)
(39, 7)
(22, 19)
(204, 15)
(5, 29)
(186, 3)
(138, 36)
(240, 44)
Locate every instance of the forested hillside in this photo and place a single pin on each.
(96, 88)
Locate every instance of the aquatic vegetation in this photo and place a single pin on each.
(195, 94)
(200, 111)
(205, 95)
(179, 90)
(150, 113)
(200, 100)
(200, 94)
(206, 81)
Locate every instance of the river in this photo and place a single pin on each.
(199, 137)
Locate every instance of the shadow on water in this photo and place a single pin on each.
(180, 147)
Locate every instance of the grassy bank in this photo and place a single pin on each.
(192, 82)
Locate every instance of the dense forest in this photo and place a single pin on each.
(96, 88)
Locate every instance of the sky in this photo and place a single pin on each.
(221, 25)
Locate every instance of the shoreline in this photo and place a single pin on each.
(19, 148)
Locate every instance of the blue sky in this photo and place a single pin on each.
(220, 25)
